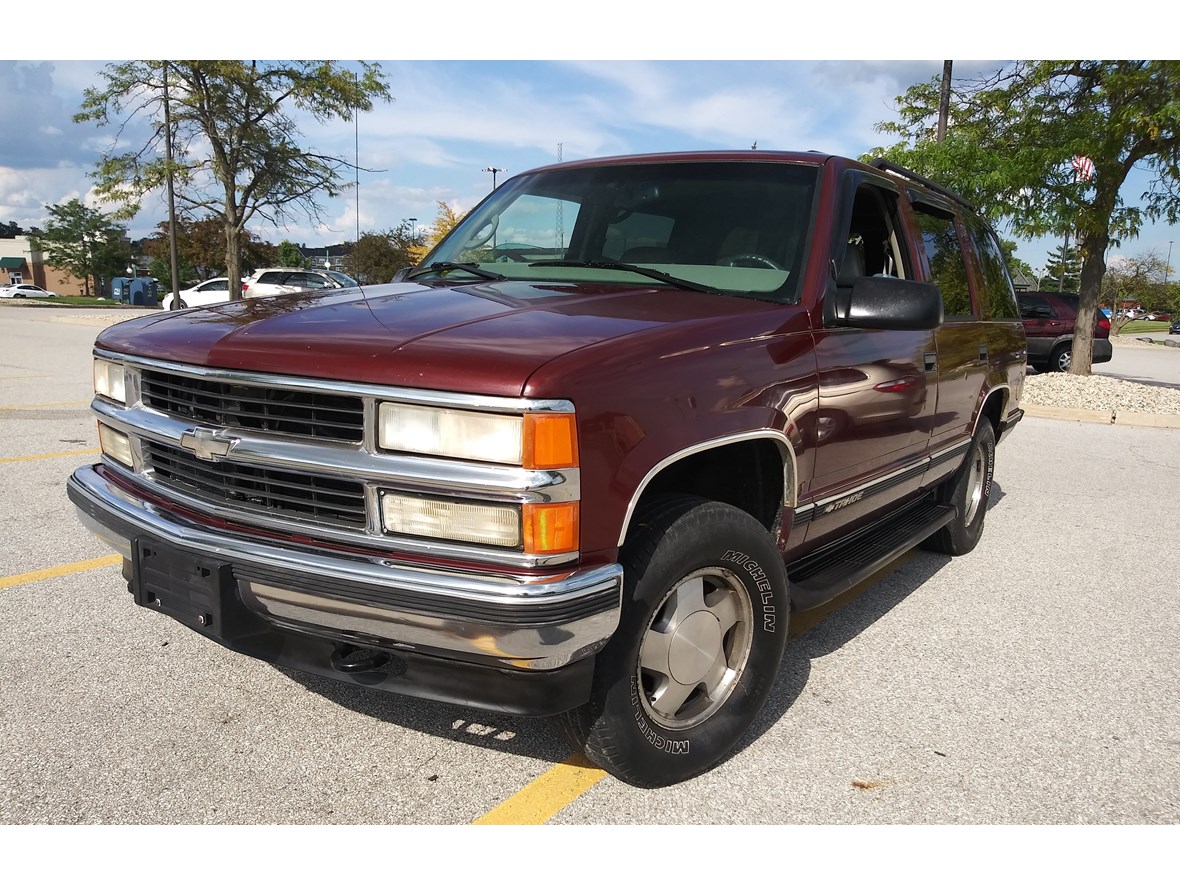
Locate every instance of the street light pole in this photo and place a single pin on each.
(1168, 264)
(493, 170)
(172, 261)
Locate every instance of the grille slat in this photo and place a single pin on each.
(281, 493)
(305, 414)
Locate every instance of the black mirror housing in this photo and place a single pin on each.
(884, 303)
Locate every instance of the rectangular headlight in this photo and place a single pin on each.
(116, 444)
(497, 524)
(110, 380)
(451, 433)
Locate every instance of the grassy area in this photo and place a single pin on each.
(1143, 326)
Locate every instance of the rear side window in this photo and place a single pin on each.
(998, 299)
(945, 257)
(1034, 308)
(307, 281)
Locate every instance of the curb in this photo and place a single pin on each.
(1124, 419)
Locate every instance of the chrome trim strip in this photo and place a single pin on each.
(446, 398)
(410, 472)
(116, 516)
(915, 468)
(789, 467)
(373, 537)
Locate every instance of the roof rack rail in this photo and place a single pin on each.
(889, 166)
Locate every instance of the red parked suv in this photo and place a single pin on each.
(1048, 325)
(587, 457)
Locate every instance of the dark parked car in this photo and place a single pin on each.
(1174, 329)
(1048, 325)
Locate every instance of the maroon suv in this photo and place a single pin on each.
(587, 458)
(1049, 323)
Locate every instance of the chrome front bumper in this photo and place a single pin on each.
(527, 624)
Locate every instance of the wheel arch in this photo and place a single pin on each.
(766, 453)
(993, 408)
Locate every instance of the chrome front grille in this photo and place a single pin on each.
(299, 413)
(314, 498)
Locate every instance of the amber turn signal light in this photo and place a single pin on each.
(550, 441)
(550, 528)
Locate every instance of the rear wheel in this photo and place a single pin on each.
(697, 650)
(1061, 358)
(969, 490)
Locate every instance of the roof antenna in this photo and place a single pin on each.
(754, 146)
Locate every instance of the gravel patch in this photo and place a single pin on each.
(1099, 393)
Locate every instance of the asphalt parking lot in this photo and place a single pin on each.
(1034, 681)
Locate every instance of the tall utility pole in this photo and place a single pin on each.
(356, 154)
(944, 101)
(171, 196)
(1168, 265)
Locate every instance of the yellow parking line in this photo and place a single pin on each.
(547, 795)
(58, 570)
(84, 402)
(50, 455)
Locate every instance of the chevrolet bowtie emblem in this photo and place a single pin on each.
(206, 444)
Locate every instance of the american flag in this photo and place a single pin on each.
(1084, 167)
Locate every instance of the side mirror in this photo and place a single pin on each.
(884, 303)
(401, 274)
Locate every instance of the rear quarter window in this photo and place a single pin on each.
(945, 257)
(998, 299)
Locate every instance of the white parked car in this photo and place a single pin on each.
(212, 291)
(281, 280)
(25, 290)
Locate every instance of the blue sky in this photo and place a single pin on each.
(452, 118)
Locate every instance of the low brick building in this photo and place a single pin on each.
(21, 263)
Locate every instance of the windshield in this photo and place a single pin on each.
(733, 227)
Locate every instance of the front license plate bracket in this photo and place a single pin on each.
(198, 592)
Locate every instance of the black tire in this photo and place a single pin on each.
(705, 604)
(969, 490)
(1061, 358)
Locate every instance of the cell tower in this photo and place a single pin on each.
(560, 235)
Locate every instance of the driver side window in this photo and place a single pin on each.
(874, 239)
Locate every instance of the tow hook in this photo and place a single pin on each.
(351, 659)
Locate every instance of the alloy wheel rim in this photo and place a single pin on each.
(975, 478)
(695, 648)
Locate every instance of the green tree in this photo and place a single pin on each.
(291, 256)
(84, 242)
(160, 267)
(376, 257)
(200, 246)
(1013, 137)
(1063, 270)
(1138, 280)
(235, 144)
(1008, 247)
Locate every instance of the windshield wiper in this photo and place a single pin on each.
(473, 269)
(633, 268)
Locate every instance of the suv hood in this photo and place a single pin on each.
(479, 338)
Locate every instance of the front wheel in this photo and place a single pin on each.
(702, 632)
